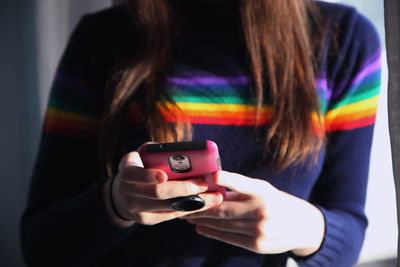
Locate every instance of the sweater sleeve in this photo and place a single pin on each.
(65, 222)
(349, 121)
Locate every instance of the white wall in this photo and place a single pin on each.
(19, 112)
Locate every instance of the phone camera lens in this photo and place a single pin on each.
(179, 163)
(162, 146)
(178, 157)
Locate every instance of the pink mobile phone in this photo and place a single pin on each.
(185, 160)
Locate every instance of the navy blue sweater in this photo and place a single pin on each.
(65, 223)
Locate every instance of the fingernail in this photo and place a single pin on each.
(217, 200)
(159, 177)
(199, 230)
(202, 188)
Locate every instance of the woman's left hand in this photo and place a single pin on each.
(259, 217)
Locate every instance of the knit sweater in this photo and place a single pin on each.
(65, 223)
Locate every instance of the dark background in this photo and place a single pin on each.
(19, 119)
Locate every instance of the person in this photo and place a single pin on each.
(287, 89)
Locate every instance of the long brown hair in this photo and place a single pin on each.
(278, 35)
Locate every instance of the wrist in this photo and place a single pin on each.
(111, 208)
(311, 230)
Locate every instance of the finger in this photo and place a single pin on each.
(137, 204)
(240, 183)
(240, 226)
(167, 190)
(235, 239)
(227, 210)
(131, 159)
(131, 170)
(235, 196)
(135, 174)
(211, 199)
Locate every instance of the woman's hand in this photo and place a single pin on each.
(142, 195)
(259, 217)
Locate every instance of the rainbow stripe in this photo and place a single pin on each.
(357, 108)
(223, 99)
(227, 100)
(69, 123)
(221, 114)
(73, 109)
(216, 100)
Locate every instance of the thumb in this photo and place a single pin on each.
(131, 170)
(241, 183)
(132, 159)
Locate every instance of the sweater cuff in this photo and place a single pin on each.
(92, 224)
(331, 245)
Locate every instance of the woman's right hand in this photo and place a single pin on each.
(143, 195)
